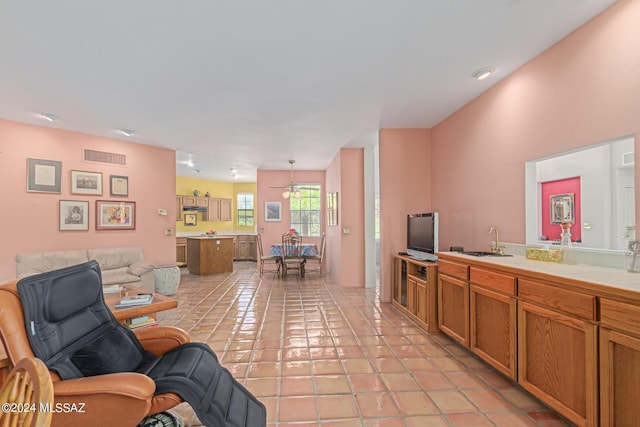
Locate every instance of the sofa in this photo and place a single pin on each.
(120, 265)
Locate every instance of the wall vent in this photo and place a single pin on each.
(105, 157)
(627, 159)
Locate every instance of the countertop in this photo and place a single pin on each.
(219, 233)
(214, 237)
(601, 279)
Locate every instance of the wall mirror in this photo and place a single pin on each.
(603, 205)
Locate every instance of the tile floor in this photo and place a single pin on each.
(320, 355)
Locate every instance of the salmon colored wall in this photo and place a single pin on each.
(405, 187)
(351, 216)
(581, 91)
(334, 251)
(29, 221)
(272, 230)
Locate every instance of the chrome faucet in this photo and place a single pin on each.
(496, 248)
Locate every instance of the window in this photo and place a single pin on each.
(245, 210)
(306, 210)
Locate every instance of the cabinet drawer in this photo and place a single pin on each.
(490, 279)
(570, 302)
(454, 269)
(620, 315)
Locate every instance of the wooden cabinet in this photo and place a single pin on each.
(619, 363)
(246, 247)
(453, 300)
(414, 290)
(209, 255)
(181, 250)
(195, 201)
(179, 208)
(558, 349)
(492, 319)
(574, 343)
(219, 209)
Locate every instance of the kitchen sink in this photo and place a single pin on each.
(484, 253)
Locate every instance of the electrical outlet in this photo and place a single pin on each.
(168, 232)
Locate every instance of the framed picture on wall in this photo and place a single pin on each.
(119, 186)
(272, 211)
(74, 215)
(44, 176)
(83, 182)
(113, 215)
(190, 219)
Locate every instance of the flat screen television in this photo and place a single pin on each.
(422, 236)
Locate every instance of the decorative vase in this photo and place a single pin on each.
(196, 193)
(566, 247)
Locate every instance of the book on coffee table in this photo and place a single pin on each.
(133, 300)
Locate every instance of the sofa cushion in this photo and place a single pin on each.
(118, 276)
(141, 267)
(111, 258)
(41, 262)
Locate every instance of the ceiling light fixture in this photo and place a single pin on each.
(288, 193)
(482, 73)
(48, 117)
(127, 132)
(233, 170)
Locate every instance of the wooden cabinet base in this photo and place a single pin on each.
(208, 255)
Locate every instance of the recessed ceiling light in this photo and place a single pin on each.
(127, 132)
(48, 117)
(233, 170)
(482, 73)
(190, 163)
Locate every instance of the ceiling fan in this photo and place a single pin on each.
(293, 189)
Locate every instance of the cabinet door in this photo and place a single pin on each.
(181, 250)
(252, 248)
(493, 328)
(202, 201)
(421, 301)
(213, 211)
(411, 295)
(225, 210)
(619, 379)
(179, 208)
(453, 308)
(188, 201)
(557, 361)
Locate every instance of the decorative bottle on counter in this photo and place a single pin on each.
(632, 256)
(566, 247)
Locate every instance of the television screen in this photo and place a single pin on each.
(422, 236)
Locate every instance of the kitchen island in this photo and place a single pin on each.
(208, 255)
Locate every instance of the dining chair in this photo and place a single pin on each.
(268, 259)
(28, 385)
(292, 254)
(312, 259)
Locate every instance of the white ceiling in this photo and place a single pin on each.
(249, 84)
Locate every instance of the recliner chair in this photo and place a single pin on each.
(118, 398)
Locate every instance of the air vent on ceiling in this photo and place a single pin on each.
(105, 157)
(627, 159)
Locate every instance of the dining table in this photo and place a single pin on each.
(307, 249)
